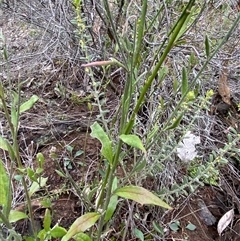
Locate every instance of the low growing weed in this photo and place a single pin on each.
(144, 69)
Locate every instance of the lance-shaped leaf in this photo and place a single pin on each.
(5, 54)
(139, 234)
(99, 133)
(184, 86)
(175, 123)
(113, 202)
(141, 195)
(3, 144)
(6, 146)
(207, 46)
(133, 140)
(47, 220)
(4, 184)
(28, 104)
(81, 224)
(14, 117)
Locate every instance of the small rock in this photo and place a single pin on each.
(204, 214)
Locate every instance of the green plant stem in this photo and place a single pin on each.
(16, 148)
(106, 6)
(109, 177)
(9, 195)
(5, 109)
(149, 81)
(235, 24)
(140, 33)
(109, 180)
(176, 109)
(103, 187)
(131, 79)
(125, 105)
(5, 220)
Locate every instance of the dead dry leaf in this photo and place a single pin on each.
(224, 221)
(223, 87)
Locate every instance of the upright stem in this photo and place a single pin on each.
(16, 151)
(109, 189)
(159, 64)
(111, 169)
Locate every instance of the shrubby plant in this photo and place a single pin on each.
(151, 139)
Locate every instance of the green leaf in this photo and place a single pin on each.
(191, 227)
(15, 100)
(69, 148)
(184, 86)
(113, 202)
(3, 144)
(138, 233)
(14, 118)
(78, 153)
(39, 170)
(6, 146)
(175, 123)
(162, 73)
(60, 173)
(1, 92)
(11, 151)
(141, 195)
(5, 54)
(158, 228)
(42, 234)
(77, 3)
(98, 132)
(175, 85)
(174, 226)
(28, 104)
(192, 59)
(14, 113)
(18, 178)
(82, 237)
(207, 46)
(161, 105)
(188, 19)
(132, 140)
(40, 159)
(4, 185)
(46, 202)
(35, 185)
(15, 216)
(57, 231)
(139, 166)
(81, 224)
(29, 238)
(47, 220)
(31, 174)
